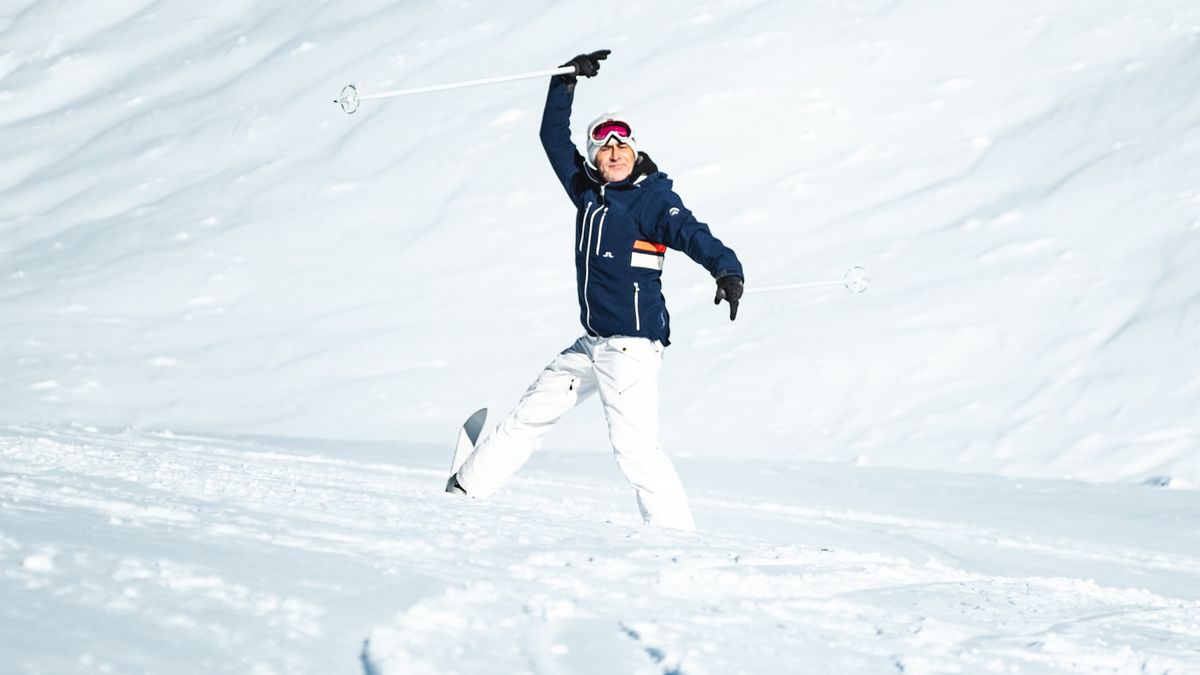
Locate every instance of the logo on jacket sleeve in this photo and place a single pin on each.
(674, 211)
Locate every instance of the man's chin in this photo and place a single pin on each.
(614, 176)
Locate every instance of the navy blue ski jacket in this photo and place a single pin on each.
(622, 233)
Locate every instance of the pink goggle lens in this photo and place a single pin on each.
(604, 129)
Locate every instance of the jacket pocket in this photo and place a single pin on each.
(637, 312)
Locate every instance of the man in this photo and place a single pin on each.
(626, 218)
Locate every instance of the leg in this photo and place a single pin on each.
(560, 387)
(627, 377)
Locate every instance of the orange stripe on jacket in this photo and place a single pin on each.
(640, 245)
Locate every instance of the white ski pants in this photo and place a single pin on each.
(624, 371)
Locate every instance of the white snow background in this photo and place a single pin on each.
(239, 328)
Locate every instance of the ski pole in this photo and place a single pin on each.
(351, 96)
(857, 280)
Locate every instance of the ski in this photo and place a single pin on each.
(467, 436)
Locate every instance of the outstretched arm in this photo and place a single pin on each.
(676, 227)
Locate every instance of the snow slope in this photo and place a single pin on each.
(194, 237)
(238, 329)
(194, 554)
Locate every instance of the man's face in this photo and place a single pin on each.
(615, 161)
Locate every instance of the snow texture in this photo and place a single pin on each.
(137, 552)
(985, 464)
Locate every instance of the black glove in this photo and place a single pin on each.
(586, 65)
(729, 288)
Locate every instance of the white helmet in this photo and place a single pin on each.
(606, 127)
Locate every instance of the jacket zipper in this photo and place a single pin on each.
(587, 274)
(582, 221)
(604, 207)
(600, 234)
(587, 263)
(637, 314)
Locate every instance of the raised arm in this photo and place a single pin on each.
(556, 134)
(556, 120)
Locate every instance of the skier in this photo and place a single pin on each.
(627, 216)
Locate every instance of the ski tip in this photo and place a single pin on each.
(474, 424)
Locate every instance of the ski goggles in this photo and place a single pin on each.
(610, 128)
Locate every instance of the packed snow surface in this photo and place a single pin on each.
(206, 267)
(135, 552)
